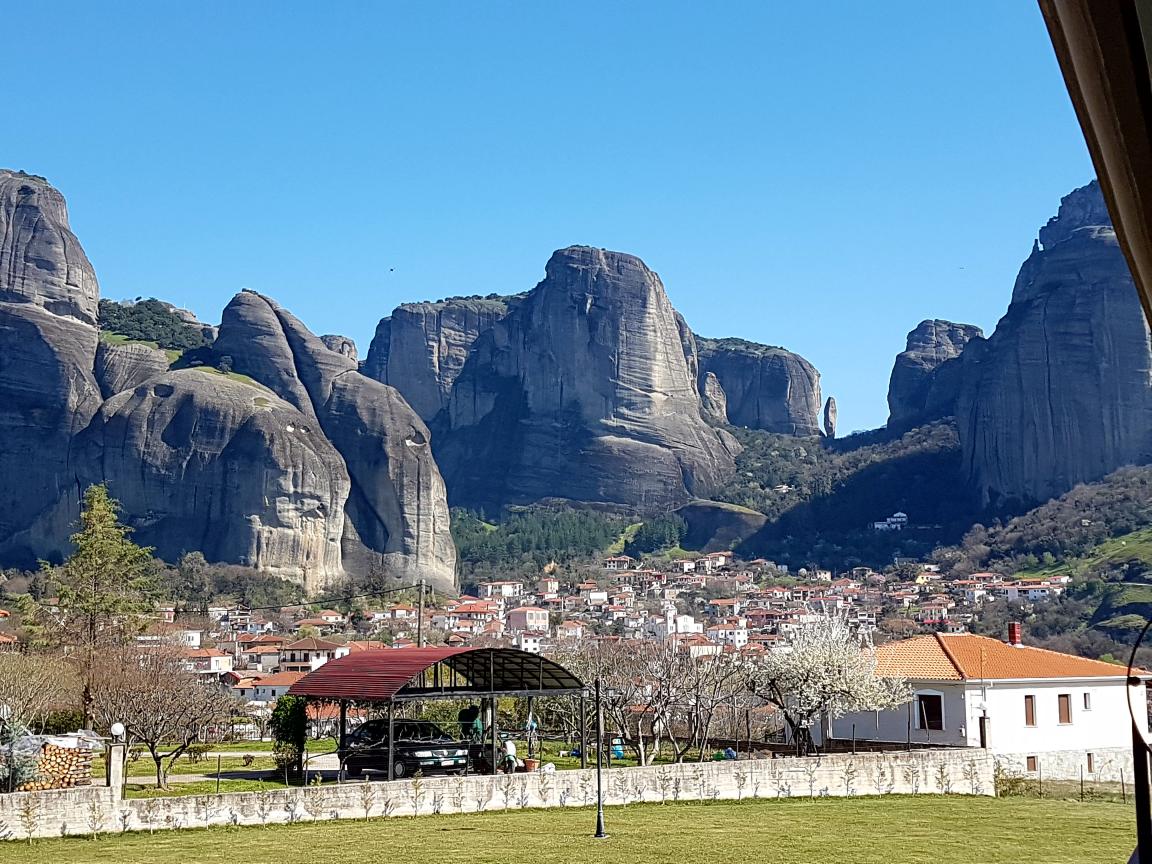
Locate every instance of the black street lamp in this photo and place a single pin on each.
(600, 832)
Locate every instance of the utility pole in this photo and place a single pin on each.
(420, 617)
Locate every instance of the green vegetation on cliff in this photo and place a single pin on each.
(821, 496)
(150, 321)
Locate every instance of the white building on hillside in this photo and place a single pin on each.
(1037, 711)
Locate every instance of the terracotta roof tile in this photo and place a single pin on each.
(982, 657)
(964, 656)
(919, 657)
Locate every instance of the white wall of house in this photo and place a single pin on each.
(1104, 724)
(1059, 750)
(902, 724)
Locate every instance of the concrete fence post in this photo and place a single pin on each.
(114, 767)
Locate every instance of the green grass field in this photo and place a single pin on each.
(894, 830)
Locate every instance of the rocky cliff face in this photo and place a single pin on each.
(421, 348)
(830, 417)
(123, 367)
(48, 298)
(765, 387)
(41, 261)
(584, 390)
(1062, 391)
(340, 344)
(397, 517)
(201, 461)
(925, 379)
(311, 474)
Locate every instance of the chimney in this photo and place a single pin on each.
(1015, 633)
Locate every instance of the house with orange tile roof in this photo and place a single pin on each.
(1038, 711)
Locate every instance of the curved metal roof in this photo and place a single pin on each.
(386, 674)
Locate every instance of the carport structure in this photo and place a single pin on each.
(390, 676)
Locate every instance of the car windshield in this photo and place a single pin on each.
(376, 731)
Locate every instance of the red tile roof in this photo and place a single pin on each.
(964, 656)
(278, 679)
(312, 644)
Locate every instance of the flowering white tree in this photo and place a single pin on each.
(827, 671)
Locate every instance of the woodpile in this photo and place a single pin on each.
(61, 768)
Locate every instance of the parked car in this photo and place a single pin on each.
(420, 746)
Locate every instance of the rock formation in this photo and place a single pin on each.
(41, 261)
(1061, 392)
(397, 517)
(583, 390)
(830, 417)
(206, 462)
(342, 345)
(422, 347)
(314, 473)
(713, 526)
(926, 376)
(765, 387)
(123, 367)
(48, 300)
(713, 400)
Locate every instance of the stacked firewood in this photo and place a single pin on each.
(61, 768)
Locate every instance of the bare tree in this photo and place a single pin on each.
(162, 704)
(825, 672)
(31, 685)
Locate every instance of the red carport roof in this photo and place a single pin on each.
(388, 673)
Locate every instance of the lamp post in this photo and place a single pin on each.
(600, 832)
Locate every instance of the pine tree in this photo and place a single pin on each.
(104, 590)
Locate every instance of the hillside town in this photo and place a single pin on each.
(709, 604)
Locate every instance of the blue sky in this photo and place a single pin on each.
(818, 176)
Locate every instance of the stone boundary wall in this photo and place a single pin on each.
(97, 810)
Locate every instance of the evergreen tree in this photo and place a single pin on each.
(103, 591)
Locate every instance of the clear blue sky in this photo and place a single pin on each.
(820, 176)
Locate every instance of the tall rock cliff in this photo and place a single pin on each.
(397, 516)
(1061, 392)
(48, 300)
(765, 387)
(584, 390)
(421, 348)
(830, 417)
(312, 474)
(205, 462)
(926, 376)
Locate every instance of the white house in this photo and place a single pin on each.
(528, 619)
(305, 655)
(1037, 711)
(266, 688)
(208, 662)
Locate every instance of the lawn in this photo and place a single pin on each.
(893, 830)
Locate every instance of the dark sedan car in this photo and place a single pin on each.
(420, 746)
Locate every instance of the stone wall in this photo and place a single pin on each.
(1109, 765)
(968, 772)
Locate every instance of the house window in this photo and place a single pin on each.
(1091, 764)
(1030, 712)
(1087, 701)
(930, 711)
(1065, 701)
(1031, 764)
